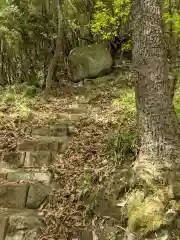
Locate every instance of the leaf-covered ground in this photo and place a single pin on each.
(89, 176)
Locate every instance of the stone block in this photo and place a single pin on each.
(44, 177)
(13, 195)
(45, 144)
(36, 195)
(56, 130)
(70, 117)
(40, 131)
(12, 160)
(59, 130)
(3, 227)
(28, 145)
(48, 144)
(23, 220)
(37, 159)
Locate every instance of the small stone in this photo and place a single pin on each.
(36, 195)
(44, 177)
(23, 220)
(3, 227)
(15, 236)
(12, 160)
(13, 195)
(37, 159)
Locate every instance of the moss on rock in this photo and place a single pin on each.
(144, 214)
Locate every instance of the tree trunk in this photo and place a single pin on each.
(173, 47)
(159, 151)
(57, 52)
(2, 82)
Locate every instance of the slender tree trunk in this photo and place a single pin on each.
(2, 82)
(173, 49)
(58, 51)
(159, 152)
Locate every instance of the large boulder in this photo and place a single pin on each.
(89, 62)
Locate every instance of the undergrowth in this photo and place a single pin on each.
(17, 101)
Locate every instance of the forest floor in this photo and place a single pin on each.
(94, 172)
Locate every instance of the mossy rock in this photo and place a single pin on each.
(145, 214)
(89, 62)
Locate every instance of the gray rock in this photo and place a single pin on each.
(36, 195)
(89, 62)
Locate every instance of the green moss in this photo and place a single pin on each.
(144, 214)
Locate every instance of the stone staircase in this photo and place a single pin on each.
(26, 181)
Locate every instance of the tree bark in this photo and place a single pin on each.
(2, 82)
(159, 150)
(57, 52)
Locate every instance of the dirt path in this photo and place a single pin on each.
(73, 128)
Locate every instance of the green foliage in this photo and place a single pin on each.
(109, 17)
(172, 15)
(16, 101)
(27, 35)
(177, 95)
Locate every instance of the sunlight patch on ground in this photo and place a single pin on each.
(126, 102)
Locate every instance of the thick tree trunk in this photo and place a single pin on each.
(158, 124)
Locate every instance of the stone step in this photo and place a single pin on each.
(29, 176)
(15, 160)
(50, 144)
(57, 130)
(69, 116)
(12, 160)
(18, 195)
(38, 159)
(13, 195)
(19, 224)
